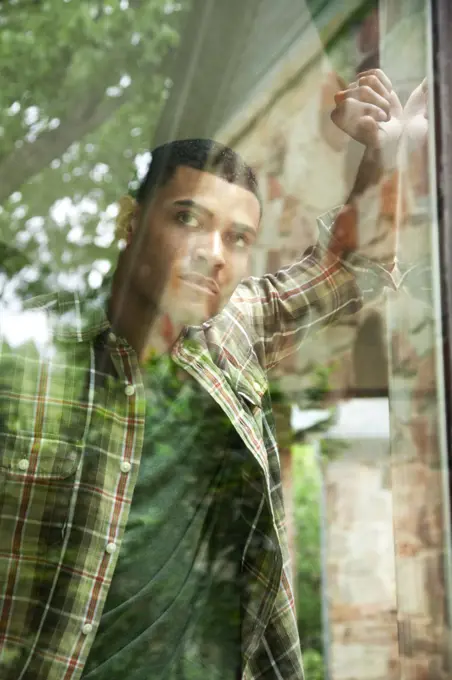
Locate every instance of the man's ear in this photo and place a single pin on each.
(127, 218)
(132, 226)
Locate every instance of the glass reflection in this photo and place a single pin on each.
(221, 398)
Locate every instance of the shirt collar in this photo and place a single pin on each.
(80, 318)
(75, 317)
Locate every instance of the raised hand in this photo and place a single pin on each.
(369, 110)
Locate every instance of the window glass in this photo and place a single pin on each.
(223, 395)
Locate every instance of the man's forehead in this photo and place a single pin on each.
(192, 183)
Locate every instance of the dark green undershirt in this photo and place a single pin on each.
(173, 608)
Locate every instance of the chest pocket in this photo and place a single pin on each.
(40, 459)
(43, 415)
(45, 397)
(37, 484)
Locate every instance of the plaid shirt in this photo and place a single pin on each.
(71, 447)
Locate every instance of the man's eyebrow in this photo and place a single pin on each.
(245, 228)
(190, 203)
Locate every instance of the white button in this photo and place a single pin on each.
(257, 386)
(125, 467)
(87, 629)
(111, 548)
(130, 389)
(23, 464)
(112, 337)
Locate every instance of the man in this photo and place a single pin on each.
(141, 511)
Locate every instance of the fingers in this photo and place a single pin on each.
(369, 110)
(375, 83)
(367, 95)
(371, 87)
(379, 75)
(376, 80)
(351, 109)
(359, 120)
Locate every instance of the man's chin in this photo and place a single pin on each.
(197, 314)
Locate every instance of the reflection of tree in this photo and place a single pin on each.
(83, 88)
(180, 559)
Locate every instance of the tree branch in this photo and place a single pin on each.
(27, 161)
(87, 111)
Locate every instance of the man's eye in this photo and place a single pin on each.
(188, 219)
(239, 240)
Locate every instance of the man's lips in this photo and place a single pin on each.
(202, 283)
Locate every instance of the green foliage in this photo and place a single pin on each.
(313, 665)
(314, 397)
(330, 448)
(307, 482)
(83, 86)
(307, 490)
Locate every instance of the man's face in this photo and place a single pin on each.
(194, 245)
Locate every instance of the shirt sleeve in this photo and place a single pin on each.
(278, 654)
(287, 307)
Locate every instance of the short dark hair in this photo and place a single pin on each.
(201, 154)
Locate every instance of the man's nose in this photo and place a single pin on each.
(210, 250)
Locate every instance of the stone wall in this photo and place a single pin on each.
(361, 586)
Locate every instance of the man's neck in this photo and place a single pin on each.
(147, 330)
